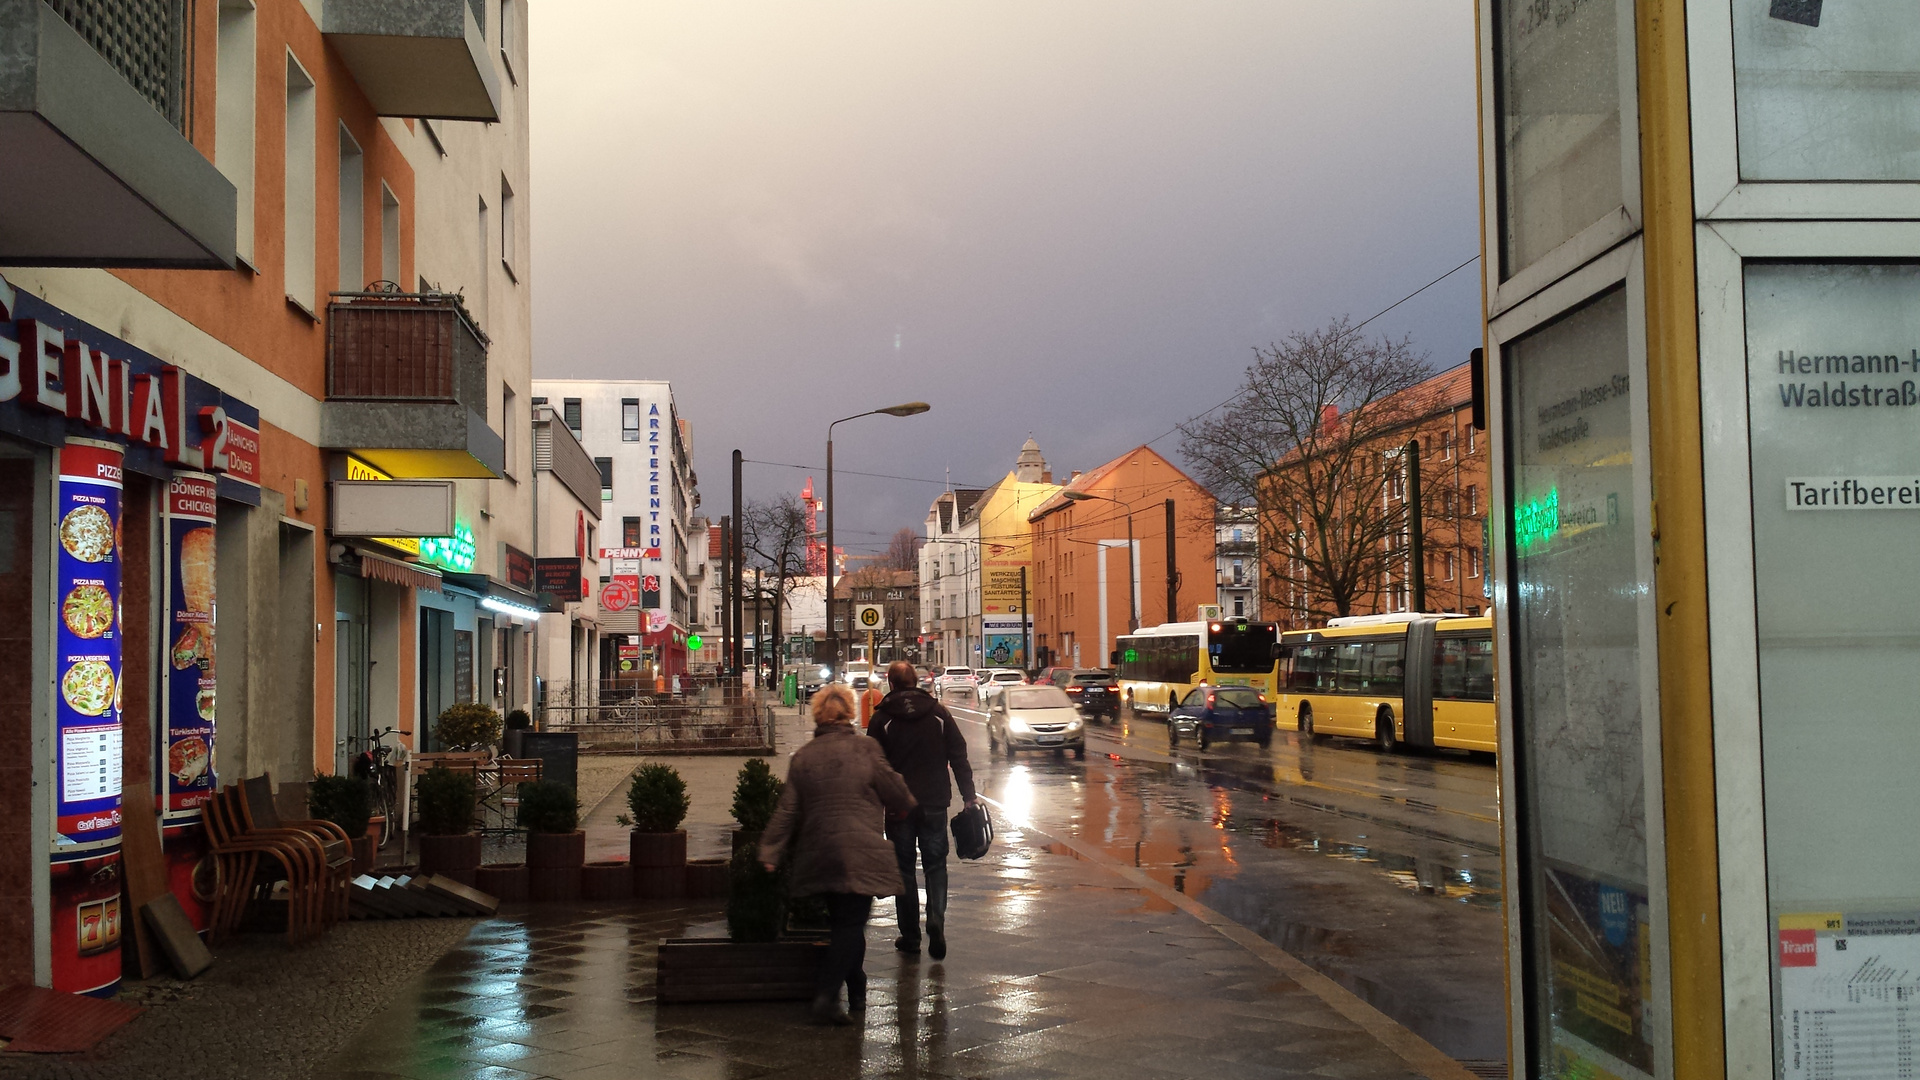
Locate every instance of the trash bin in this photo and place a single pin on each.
(559, 750)
(790, 689)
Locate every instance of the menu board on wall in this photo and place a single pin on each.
(87, 644)
(190, 697)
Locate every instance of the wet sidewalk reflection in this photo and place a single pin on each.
(1058, 969)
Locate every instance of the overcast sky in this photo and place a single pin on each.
(1069, 218)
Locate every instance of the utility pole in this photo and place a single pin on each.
(739, 577)
(1026, 623)
(727, 629)
(1416, 544)
(1173, 575)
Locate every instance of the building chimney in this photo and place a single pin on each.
(1330, 418)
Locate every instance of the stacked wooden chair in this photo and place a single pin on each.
(258, 853)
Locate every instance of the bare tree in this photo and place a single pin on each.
(1313, 443)
(903, 552)
(775, 537)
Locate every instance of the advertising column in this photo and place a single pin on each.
(188, 702)
(85, 877)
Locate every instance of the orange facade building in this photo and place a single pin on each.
(201, 398)
(1083, 595)
(1453, 468)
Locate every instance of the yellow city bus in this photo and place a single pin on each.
(1157, 665)
(1421, 680)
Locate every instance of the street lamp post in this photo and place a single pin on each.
(911, 408)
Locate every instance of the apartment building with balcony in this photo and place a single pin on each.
(232, 494)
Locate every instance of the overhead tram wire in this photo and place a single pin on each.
(853, 472)
(1356, 328)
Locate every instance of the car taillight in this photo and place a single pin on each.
(1262, 697)
(1075, 690)
(1209, 701)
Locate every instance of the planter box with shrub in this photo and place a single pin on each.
(658, 802)
(505, 881)
(556, 846)
(447, 844)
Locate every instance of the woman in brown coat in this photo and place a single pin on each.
(838, 792)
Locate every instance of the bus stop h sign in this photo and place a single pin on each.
(870, 617)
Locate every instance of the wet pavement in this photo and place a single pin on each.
(1380, 871)
(1060, 967)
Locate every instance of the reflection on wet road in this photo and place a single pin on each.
(1382, 871)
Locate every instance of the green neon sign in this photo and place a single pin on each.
(694, 642)
(454, 552)
(1131, 656)
(1535, 522)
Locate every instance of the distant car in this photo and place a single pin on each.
(1211, 714)
(998, 680)
(953, 678)
(859, 668)
(1050, 675)
(812, 678)
(1096, 692)
(1035, 718)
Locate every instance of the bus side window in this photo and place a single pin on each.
(1478, 674)
(1449, 668)
(1386, 668)
(1283, 666)
(1349, 660)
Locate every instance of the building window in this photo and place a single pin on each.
(485, 235)
(508, 250)
(629, 419)
(233, 97)
(629, 530)
(1239, 572)
(1239, 606)
(508, 424)
(1473, 500)
(1446, 566)
(297, 269)
(1446, 447)
(605, 465)
(506, 39)
(1473, 438)
(1473, 562)
(353, 215)
(570, 414)
(389, 235)
(539, 401)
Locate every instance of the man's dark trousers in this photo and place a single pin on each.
(925, 827)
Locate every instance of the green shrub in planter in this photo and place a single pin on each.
(518, 720)
(548, 806)
(756, 899)
(755, 795)
(445, 801)
(347, 801)
(467, 726)
(657, 799)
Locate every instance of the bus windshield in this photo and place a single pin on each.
(1242, 648)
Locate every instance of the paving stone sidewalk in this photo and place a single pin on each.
(1059, 968)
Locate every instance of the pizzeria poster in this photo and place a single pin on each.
(87, 645)
(191, 510)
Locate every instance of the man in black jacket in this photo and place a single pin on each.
(922, 744)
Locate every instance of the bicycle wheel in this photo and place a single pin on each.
(383, 806)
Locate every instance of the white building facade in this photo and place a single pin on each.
(648, 494)
(1236, 554)
(950, 580)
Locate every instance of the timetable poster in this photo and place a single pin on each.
(87, 645)
(1849, 995)
(190, 698)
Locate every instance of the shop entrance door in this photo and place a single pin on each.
(350, 688)
(437, 690)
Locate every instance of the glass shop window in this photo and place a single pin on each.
(1827, 89)
(1832, 400)
(1559, 75)
(1578, 589)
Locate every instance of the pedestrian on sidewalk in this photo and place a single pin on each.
(870, 700)
(839, 792)
(924, 744)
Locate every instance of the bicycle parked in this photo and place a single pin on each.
(374, 765)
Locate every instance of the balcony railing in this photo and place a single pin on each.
(141, 39)
(404, 347)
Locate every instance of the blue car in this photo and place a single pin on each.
(1215, 713)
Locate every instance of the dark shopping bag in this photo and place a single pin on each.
(972, 832)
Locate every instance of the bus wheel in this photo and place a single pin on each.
(1383, 732)
(1305, 724)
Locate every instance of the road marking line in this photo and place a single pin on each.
(1425, 1058)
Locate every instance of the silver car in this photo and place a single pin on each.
(1035, 718)
(996, 680)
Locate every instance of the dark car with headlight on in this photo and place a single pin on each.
(1094, 692)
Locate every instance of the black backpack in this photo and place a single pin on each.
(972, 832)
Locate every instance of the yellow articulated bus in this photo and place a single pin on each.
(1158, 665)
(1413, 679)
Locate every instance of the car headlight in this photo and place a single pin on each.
(1014, 723)
(826, 673)
(1073, 725)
